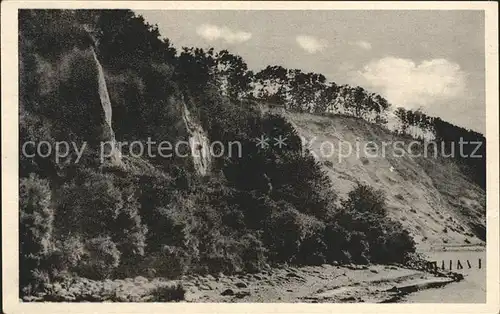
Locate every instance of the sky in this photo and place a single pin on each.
(433, 60)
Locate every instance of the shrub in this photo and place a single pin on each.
(358, 247)
(128, 230)
(88, 204)
(372, 235)
(34, 128)
(398, 243)
(171, 262)
(101, 259)
(294, 237)
(364, 199)
(36, 216)
(221, 254)
(95, 204)
(71, 251)
(416, 261)
(35, 232)
(336, 239)
(313, 248)
(254, 253)
(282, 234)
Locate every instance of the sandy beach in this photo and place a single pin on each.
(470, 290)
(312, 284)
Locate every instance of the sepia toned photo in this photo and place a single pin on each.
(212, 155)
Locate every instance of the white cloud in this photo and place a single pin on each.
(213, 32)
(405, 83)
(362, 44)
(311, 44)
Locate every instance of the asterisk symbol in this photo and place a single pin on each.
(280, 141)
(262, 142)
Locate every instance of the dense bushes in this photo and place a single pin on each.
(102, 258)
(376, 238)
(100, 234)
(36, 216)
(93, 204)
(294, 237)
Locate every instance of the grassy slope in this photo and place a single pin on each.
(431, 197)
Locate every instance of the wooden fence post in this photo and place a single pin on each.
(479, 263)
(451, 264)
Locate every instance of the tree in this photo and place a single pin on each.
(195, 69)
(327, 99)
(272, 83)
(360, 101)
(233, 74)
(126, 41)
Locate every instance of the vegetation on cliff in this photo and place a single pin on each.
(157, 217)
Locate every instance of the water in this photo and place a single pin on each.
(470, 290)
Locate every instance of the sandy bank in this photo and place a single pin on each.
(312, 284)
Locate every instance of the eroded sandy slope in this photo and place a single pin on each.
(430, 196)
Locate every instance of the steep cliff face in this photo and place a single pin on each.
(430, 196)
(70, 90)
(113, 152)
(198, 143)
